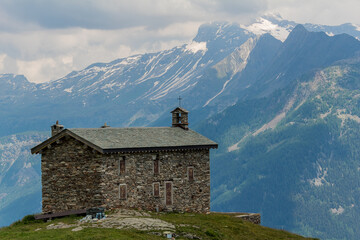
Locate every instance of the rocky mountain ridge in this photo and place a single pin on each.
(141, 89)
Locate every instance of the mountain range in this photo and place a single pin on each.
(281, 99)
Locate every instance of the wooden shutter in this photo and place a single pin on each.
(122, 189)
(191, 173)
(122, 166)
(168, 194)
(156, 167)
(156, 189)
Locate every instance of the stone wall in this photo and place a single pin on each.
(139, 178)
(74, 177)
(71, 176)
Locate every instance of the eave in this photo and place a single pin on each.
(155, 149)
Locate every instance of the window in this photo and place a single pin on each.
(156, 165)
(156, 189)
(191, 173)
(168, 193)
(122, 191)
(121, 166)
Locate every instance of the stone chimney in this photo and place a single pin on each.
(180, 118)
(56, 128)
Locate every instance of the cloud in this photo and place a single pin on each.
(2, 58)
(117, 14)
(327, 12)
(233, 7)
(48, 54)
(47, 39)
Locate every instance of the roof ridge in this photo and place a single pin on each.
(120, 128)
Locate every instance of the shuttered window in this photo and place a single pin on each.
(122, 191)
(156, 167)
(122, 166)
(191, 173)
(168, 193)
(156, 189)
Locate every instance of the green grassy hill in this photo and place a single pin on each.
(184, 225)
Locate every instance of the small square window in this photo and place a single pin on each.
(122, 191)
(156, 189)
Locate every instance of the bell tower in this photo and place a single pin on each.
(180, 118)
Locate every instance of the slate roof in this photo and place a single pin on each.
(110, 140)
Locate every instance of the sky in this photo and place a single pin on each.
(47, 39)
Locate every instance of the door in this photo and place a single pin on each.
(168, 193)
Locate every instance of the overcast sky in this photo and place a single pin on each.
(46, 39)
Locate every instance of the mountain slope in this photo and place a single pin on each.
(140, 89)
(133, 90)
(301, 53)
(20, 176)
(294, 156)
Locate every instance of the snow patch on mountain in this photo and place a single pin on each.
(129, 60)
(69, 90)
(337, 211)
(113, 84)
(262, 26)
(179, 80)
(194, 47)
(154, 70)
(320, 177)
(340, 113)
(357, 27)
(222, 90)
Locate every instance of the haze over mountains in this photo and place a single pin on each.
(281, 99)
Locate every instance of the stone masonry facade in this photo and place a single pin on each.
(75, 176)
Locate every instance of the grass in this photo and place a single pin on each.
(223, 226)
(212, 226)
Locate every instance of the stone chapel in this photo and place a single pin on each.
(149, 168)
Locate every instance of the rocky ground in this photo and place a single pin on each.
(120, 219)
(143, 225)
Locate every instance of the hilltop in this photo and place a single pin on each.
(128, 224)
